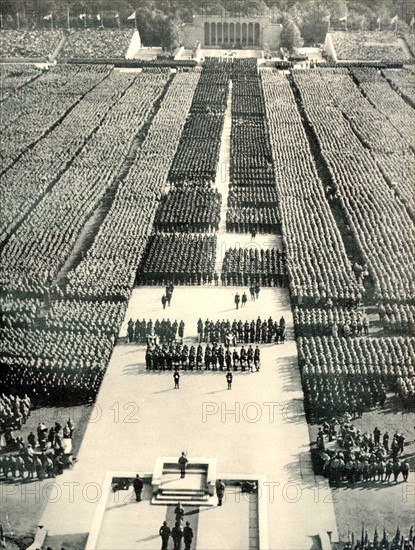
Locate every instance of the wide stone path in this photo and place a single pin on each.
(257, 428)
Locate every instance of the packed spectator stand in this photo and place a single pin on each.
(367, 46)
(24, 44)
(96, 44)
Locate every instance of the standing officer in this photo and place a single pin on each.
(182, 462)
(237, 300)
(164, 533)
(138, 487)
(164, 301)
(220, 491)
(187, 536)
(229, 378)
(244, 299)
(177, 535)
(176, 377)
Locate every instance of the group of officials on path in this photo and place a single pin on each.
(178, 532)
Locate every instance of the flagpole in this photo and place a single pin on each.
(51, 21)
(18, 21)
(67, 18)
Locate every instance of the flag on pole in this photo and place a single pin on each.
(326, 19)
(394, 19)
(412, 23)
(378, 20)
(116, 15)
(82, 16)
(48, 17)
(344, 18)
(132, 16)
(98, 16)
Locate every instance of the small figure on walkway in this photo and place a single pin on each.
(257, 290)
(237, 300)
(220, 491)
(252, 292)
(177, 535)
(187, 536)
(164, 301)
(138, 487)
(176, 378)
(130, 331)
(244, 299)
(229, 378)
(164, 533)
(253, 234)
(182, 463)
(179, 513)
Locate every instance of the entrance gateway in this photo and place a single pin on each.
(229, 32)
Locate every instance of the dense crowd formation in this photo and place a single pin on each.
(40, 105)
(317, 265)
(165, 331)
(367, 46)
(197, 155)
(237, 332)
(341, 374)
(252, 178)
(402, 82)
(246, 266)
(37, 250)
(189, 210)
(183, 259)
(14, 411)
(330, 322)
(212, 357)
(84, 317)
(38, 168)
(28, 44)
(360, 457)
(331, 102)
(97, 44)
(15, 76)
(109, 267)
(389, 134)
(397, 317)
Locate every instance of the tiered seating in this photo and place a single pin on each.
(28, 44)
(97, 44)
(317, 265)
(367, 46)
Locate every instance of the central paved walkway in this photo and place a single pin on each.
(257, 428)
